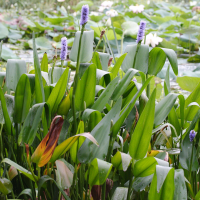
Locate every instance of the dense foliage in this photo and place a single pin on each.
(114, 130)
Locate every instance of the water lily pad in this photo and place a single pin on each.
(130, 28)
(4, 31)
(8, 53)
(81, 3)
(56, 20)
(41, 43)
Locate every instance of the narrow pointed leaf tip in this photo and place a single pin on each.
(84, 14)
(45, 150)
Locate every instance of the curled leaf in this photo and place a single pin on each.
(45, 150)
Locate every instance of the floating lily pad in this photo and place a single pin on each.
(130, 28)
(8, 53)
(41, 43)
(81, 3)
(4, 31)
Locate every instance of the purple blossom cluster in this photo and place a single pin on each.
(141, 31)
(63, 53)
(84, 14)
(192, 135)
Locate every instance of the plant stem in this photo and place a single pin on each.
(130, 184)
(62, 63)
(137, 49)
(31, 183)
(59, 197)
(110, 149)
(148, 88)
(73, 187)
(81, 180)
(2, 157)
(35, 178)
(115, 36)
(76, 78)
(110, 48)
(190, 169)
(99, 42)
(87, 183)
(122, 40)
(54, 63)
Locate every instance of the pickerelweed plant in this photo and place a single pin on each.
(111, 133)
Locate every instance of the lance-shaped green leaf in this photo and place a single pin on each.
(104, 58)
(64, 177)
(180, 186)
(157, 59)
(26, 192)
(86, 47)
(39, 90)
(9, 127)
(46, 178)
(121, 161)
(101, 133)
(96, 60)
(44, 63)
(14, 69)
(57, 73)
(64, 106)
(105, 95)
(164, 107)
(98, 172)
(22, 99)
(10, 101)
(144, 167)
(142, 134)
(20, 168)
(142, 58)
(5, 186)
(140, 183)
(190, 111)
(103, 77)
(75, 147)
(58, 92)
(117, 65)
(66, 145)
(120, 193)
(31, 123)
(127, 109)
(172, 57)
(162, 186)
(93, 117)
(123, 84)
(85, 91)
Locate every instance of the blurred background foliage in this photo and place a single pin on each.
(7, 4)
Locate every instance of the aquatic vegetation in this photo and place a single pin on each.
(96, 117)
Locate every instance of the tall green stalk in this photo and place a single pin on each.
(108, 157)
(2, 157)
(76, 78)
(54, 63)
(190, 169)
(130, 184)
(115, 37)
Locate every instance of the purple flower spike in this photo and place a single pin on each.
(63, 53)
(141, 31)
(192, 135)
(84, 14)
